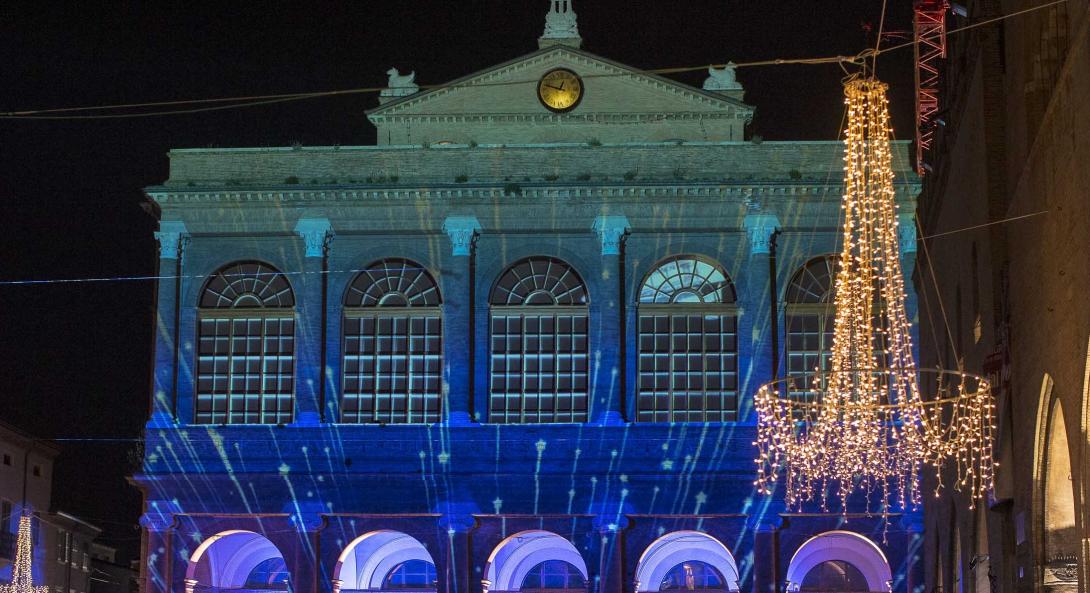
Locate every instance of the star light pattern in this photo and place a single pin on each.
(863, 426)
(22, 580)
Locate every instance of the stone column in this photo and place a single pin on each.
(454, 558)
(755, 324)
(914, 567)
(766, 551)
(610, 531)
(608, 345)
(458, 358)
(172, 238)
(157, 574)
(310, 321)
(306, 572)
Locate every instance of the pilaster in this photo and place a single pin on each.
(766, 557)
(610, 531)
(156, 573)
(310, 319)
(172, 237)
(754, 284)
(607, 318)
(455, 556)
(457, 282)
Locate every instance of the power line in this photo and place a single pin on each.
(259, 100)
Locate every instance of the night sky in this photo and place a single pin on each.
(76, 358)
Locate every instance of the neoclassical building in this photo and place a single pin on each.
(511, 347)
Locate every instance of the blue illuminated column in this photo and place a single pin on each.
(310, 317)
(157, 572)
(457, 279)
(755, 323)
(765, 558)
(607, 311)
(454, 559)
(172, 238)
(305, 572)
(610, 557)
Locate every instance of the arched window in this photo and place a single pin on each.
(839, 561)
(384, 560)
(553, 576)
(535, 561)
(809, 311)
(268, 574)
(234, 560)
(693, 575)
(392, 345)
(834, 576)
(686, 561)
(246, 347)
(539, 344)
(413, 575)
(688, 343)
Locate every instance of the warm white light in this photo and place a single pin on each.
(22, 580)
(862, 426)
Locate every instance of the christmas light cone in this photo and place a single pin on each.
(862, 425)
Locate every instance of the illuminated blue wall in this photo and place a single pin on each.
(611, 486)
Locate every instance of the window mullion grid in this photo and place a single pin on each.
(376, 357)
(671, 390)
(705, 414)
(523, 355)
(556, 353)
(262, 401)
(408, 369)
(229, 389)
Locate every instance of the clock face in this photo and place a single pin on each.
(560, 90)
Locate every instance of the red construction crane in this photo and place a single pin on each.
(929, 26)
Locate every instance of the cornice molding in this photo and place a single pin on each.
(906, 193)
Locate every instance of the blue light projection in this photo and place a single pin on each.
(324, 502)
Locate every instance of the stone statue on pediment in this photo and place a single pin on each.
(398, 85)
(561, 25)
(722, 79)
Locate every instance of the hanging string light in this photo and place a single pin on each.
(862, 425)
(22, 580)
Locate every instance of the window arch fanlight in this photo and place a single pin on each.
(686, 560)
(539, 344)
(246, 347)
(693, 575)
(809, 316)
(535, 560)
(840, 560)
(688, 343)
(392, 345)
(554, 576)
(236, 560)
(384, 560)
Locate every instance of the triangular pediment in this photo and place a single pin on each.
(619, 103)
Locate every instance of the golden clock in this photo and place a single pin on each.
(560, 90)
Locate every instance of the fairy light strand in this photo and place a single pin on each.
(863, 426)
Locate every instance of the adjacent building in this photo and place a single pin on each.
(1006, 299)
(510, 347)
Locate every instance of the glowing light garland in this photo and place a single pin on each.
(862, 426)
(22, 580)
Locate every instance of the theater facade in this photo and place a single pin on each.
(513, 346)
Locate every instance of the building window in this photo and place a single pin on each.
(539, 344)
(246, 347)
(270, 574)
(412, 575)
(7, 459)
(809, 312)
(688, 343)
(693, 575)
(553, 576)
(37, 471)
(392, 346)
